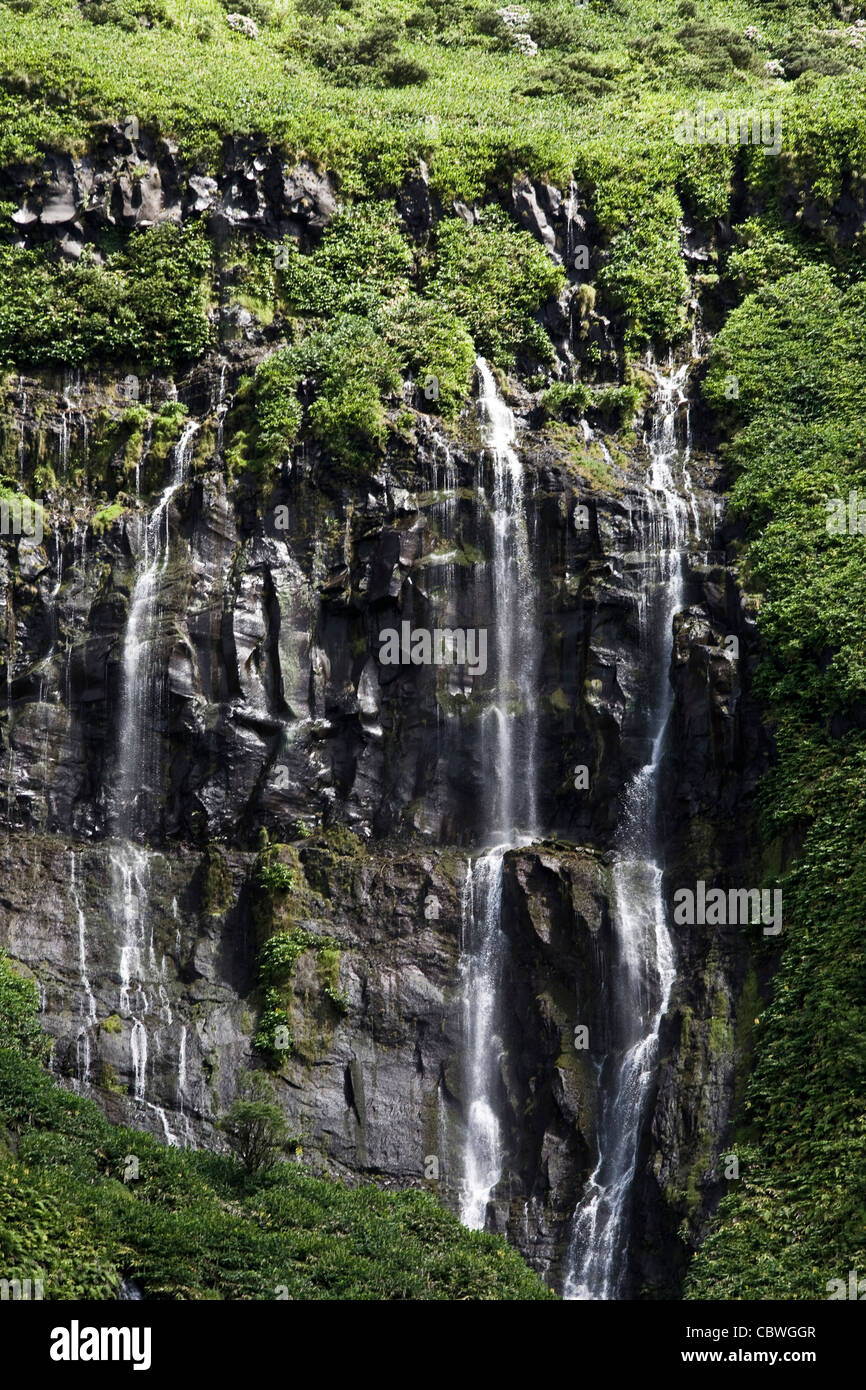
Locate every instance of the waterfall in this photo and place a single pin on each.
(481, 967)
(221, 410)
(138, 763)
(129, 872)
(642, 968)
(138, 780)
(509, 736)
(509, 757)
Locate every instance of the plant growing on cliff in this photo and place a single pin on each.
(362, 259)
(275, 876)
(19, 1005)
(280, 954)
(255, 1128)
(145, 304)
(434, 345)
(494, 277)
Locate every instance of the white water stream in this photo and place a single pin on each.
(138, 773)
(509, 736)
(642, 970)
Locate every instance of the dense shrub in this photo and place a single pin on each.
(714, 43)
(559, 26)
(19, 1002)
(145, 305)
(361, 259)
(578, 77)
(127, 14)
(435, 346)
(495, 277)
(255, 1127)
(368, 56)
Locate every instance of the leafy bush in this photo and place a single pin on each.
(278, 411)
(276, 877)
(351, 371)
(19, 1004)
(281, 953)
(255, 1128)
(361, 259)
(580, 77)
(559, 26)
(146, 305)
(401, 70)
(717, 44)
(618, 403)
(807, 52)
(432, 343)
(644, 276)
(565, 399)
(441, 17)
(763, 254)
(368, 55)
(262, 11)
(127, 14)
(491, 24)
(494, 278)
(274, 1034)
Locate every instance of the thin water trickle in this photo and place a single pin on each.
(141, 692)
(88, 1022)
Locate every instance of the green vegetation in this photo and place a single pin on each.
(217, 892)
(146, 304)
(286, 892)
(493, 277)
(255, 1128)
(199, 1225)
(324, 81)
(616, 404)
(796, 1218)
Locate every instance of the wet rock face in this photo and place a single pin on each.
(273, 708)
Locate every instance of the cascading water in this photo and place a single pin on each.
(509, 734)
(88, 1022)
(642, 969)
(480, 906)
(137, 771)
(137, 777)
(510, 755)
